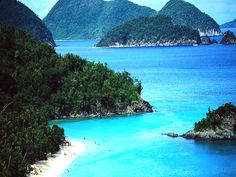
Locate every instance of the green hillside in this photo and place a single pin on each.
(14, 13)
(37, 85)
(80, 19)
(184, 13)
(150, 31)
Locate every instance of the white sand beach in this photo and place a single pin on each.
(58, 163)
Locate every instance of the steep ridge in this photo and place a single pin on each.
(14, 13)
(81, 19)
(184, 13)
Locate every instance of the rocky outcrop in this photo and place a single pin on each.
(135, 107)
(212, 135)
(139, 107)
(228, 38)
(219, 124)
(206, 40)
(157, 43)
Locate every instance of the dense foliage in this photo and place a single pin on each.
(14, 13)
(214, 118)
(25, 135)
(148, 30)
(184, 13)
(77, 19)
(36, 85)
(231, 24)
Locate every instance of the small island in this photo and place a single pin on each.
(150, 31)
(219, 124)
(228, 38)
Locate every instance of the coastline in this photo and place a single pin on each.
(146, 45)
(57, 163)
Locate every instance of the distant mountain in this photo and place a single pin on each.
(150, 31)
(14, 13)
(231, 24)
(184, 13)
(77, 19)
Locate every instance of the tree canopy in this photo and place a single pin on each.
(37, 85)
(14, 13)
(86, 19)
(158, 29)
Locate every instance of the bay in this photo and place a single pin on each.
(181, 83)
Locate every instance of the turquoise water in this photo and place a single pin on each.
(181, 83)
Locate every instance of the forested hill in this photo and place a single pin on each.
(36, 85)
(150, 31)
(184, 13)
(231, 24)
(80, 19)
(14, 13)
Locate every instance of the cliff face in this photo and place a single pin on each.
(136, 107)
(83, 19)
(150, 31)
(228, 38)
(219, 124)
(15, 14)
(184, 13)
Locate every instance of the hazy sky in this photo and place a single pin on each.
(221, 10)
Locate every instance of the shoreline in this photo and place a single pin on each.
(58, 163)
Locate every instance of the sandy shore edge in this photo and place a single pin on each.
(58, 163)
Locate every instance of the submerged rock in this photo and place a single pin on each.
(172, 135)
(228, 38)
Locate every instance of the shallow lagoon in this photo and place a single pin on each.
(181, 83)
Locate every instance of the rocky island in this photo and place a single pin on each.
(228, 38)
(150, 31)
(219, 124)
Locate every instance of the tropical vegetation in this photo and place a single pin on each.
(214, 118)
(14, 13)
(37, 85)
(86, 19)
(186, 14)
(147, 30)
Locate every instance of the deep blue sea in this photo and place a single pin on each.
(181, 83)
